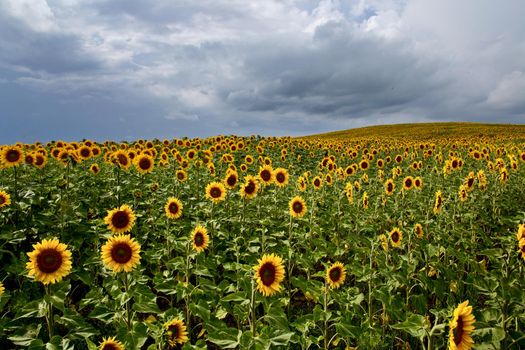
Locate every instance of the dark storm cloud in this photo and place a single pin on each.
(128, 69)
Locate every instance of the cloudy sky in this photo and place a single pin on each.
(128, 69)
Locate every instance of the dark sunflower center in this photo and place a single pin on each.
(266, 175)
(13, 156)
(335, 274)
(470, 182)
(250, 187)
(120, 219)
(29, 159)
(215, 192)
(180, 176)
(454, 164)
(39, 160)
(144, 164)
(438, 202)
(417, 183)
(122, 159)
(458, 331)
(84, 152)
(395, 236)
(174, 329)
(297, 207)
(389, 187)
(316, 183)
(49, 260)
(198, 239)
(2, 199)
(232, 180)
(280, 177)
(173, 208)
(267, 273)
(121, 253)
(408, 183)
(364, 165)
(110, 346)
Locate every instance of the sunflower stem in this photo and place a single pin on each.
(186, 297)
(370, 287)
(128, 309)
(325, 309)
(252, 308)
(49, 315)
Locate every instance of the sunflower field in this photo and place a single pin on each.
(323, 242)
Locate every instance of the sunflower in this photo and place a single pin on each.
(335, 275)
(461, 326)
(384, 242)
(40, 161)
(49, 262)
(121, 158)
(317, 182)
(364, 200)
(173, 208)
(5, 199)
(11, 156)
(266, 175)
(521, 245)
(111, 344)
(418, 230)
(120, 220)
(396, 236)
(216, 192)
(199, 238)
(418, 183)
(438, 203)
(144, 163)
(231, 179)
(281, 177)
(121, 253)
(408, 183)
(389, 187)
(176, 332)
(1, 289)
(250, 188)
(364, 165)
(349, 192)
(297, 207)
(462, 193)
(269, 274)
(94, 168)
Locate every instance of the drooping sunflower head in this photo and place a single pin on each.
(349, 192)
(5, 199)
(199, 238)
(11, 156)
(266, 175)
(396, 236)
(297, 207)
(336, 275)
(120, 220)
(250, 188)
(2, 289)
(281, 177)
(418, 230)
(269, 273)
(173, 208)
(216, 192)
(121, 253)
(111, 344)
(389, 187)
(461, 326)
(49, 262)
(364, 200)
(144, 163)
(176, 332)
(384, 242)
(462, 193)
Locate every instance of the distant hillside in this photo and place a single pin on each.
(427, 131)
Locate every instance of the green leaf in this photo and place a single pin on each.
(414, 325)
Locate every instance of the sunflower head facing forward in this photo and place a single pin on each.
(297, 207)
(269, 273)
(49, 262)
(336, 275)
(176, 332)
(216, 192)
(121, 253)
(5, 199)
(173, 208)
(120, 220)
(199, 238)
